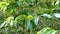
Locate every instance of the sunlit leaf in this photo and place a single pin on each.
(36, 20)
(4, 9)
(10, 18)
(27, 24)
(20, 18)
(57, 2)
(3, 24)
(31, 27)
(57, 15)
(3, 3)
(47, 15)
(11, 23)
(47, 31)
(30, 17)
(15, 23)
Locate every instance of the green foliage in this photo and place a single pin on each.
(25, 16)
(47, 31)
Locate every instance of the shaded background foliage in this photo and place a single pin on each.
(21, 9)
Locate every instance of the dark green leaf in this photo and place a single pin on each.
(27, 24)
